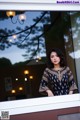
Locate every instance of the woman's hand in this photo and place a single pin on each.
(70, 92)
(49, 92)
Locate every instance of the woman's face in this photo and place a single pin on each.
(54, 58)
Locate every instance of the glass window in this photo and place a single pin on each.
(26, 37)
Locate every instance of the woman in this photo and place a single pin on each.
(57, 78)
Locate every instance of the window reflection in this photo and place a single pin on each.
(25, 47)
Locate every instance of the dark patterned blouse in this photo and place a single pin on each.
(60, 82)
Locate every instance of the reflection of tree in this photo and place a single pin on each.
(31, 37)
(4, 62)
(72, 33)
(27, 38)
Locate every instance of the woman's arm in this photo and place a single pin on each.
(49, 92)
(44, 84)
(72, 84)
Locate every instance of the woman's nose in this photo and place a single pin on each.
(54, 57)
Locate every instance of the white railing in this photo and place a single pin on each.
(40, 104)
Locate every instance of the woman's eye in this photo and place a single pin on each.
(52, 56)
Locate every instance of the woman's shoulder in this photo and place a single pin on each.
(47, 69)
(67, 68)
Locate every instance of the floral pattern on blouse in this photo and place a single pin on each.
(60, 82)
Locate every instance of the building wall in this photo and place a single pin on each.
(49, 115)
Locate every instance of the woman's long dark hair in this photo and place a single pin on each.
(60, 55)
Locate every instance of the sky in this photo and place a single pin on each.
(13, 53)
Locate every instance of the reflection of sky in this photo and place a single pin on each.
(29, 21)
(75, 54)
(13, 53)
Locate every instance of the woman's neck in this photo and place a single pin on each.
(57, 67)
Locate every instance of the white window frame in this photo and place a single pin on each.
(48, 103)
(37, 5)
